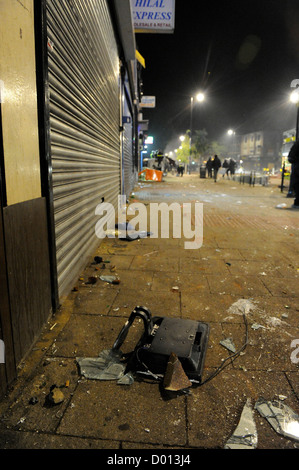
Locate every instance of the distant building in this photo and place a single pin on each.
(288, 139)
(261, 149)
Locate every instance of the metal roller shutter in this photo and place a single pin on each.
(127, 144)
(84, 125)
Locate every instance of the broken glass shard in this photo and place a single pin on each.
(126, 379)
(257, 326)
(281, 417)
(107, 366)
(245, 435)
(228, 344)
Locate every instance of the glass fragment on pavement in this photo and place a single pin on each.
(245, 435)
(107, 366)
(281, 417)
(228, 344)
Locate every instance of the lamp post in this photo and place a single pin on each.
(232, 134)
(294, 98)
(200, 98)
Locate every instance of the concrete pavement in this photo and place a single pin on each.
(250, 252)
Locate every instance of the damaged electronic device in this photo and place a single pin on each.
(162, 337)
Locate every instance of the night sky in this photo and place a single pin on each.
(243, 54)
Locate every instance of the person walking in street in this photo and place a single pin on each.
(159, 158)
(181, 169)
(209, 167)
(216, 164)
(232, 166)
(293, 158)
(226, 166)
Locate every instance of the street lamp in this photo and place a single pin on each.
(232, 134)
(200, 97)
(294, 98)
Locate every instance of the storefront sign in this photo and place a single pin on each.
(148, 102)
(153, 16)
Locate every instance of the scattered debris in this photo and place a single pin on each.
(97, 260)
(110, 279)
(126, 231)
(282, 397)
(107, 366)
(281, 206)
(274, 321)
(33, 401)
(228, 344)
(245, 435)
(126, 379)
(55, 397)
(92, 280)
(175, 378)
(241, 307)
(163, 336)
(280, 416)
(257, 326)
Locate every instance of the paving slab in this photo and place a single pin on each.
(242, 286)
(134, 414)
(165, 304)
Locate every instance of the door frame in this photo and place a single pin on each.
(43, 104)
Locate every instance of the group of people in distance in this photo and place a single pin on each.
(214, 164)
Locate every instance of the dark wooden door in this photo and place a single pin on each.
(7, 355)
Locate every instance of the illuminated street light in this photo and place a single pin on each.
(182, 138)
(294, 96)
(200, 97)
(230, 132)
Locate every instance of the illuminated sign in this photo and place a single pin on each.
(148, 102)
(153, 16)
(149, 140)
